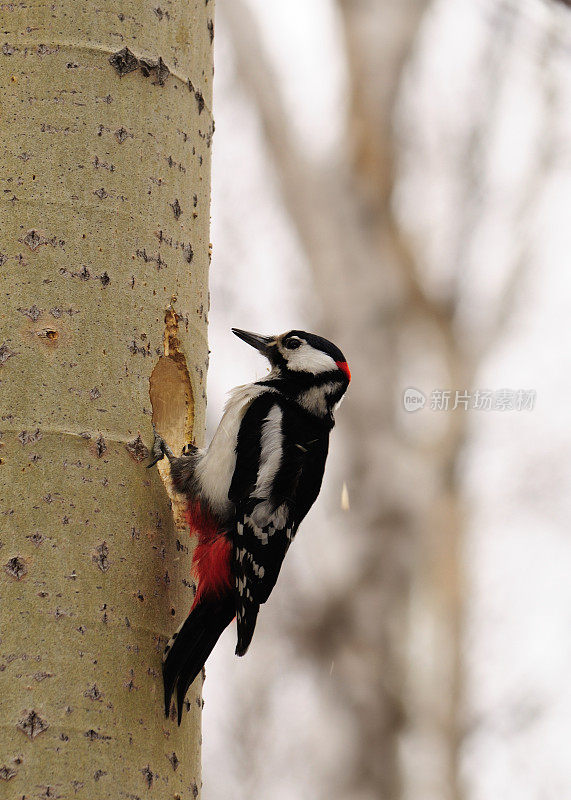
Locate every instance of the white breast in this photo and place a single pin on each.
(215, 469)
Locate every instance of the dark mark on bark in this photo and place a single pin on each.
(162, 72)
(158, 67)
(46, 50)
(94, 393)
(16, 567)
(210, 26)
(30, 438)
(58, 312)
(158, 259)
(41, 676)
(173, 758)
(93, 735)
(136, 448)
(7, 773)
(101, 557)
(177, 210)
(188, 253)
(5, 353)
(148, 776)
(198, 96)
(194, 790)
(93, 693)
(8, 50)
(124, 62)
(105, 279)
(33, 312)
(101, 193)
(100, 446)
(147, 66)
(33, 240)
(3, 259)
(103, 164)
(172, 163)
(32, 724)
(37, 538)
(143, 351)
(99, 774)
(122, 134)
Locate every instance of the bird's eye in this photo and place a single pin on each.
(292, 344)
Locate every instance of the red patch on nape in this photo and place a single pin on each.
(211, 558)
(344, 367)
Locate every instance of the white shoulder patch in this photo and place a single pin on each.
(271, 454)
(216, 468)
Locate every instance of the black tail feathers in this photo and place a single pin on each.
(246, 624)
(191, 645)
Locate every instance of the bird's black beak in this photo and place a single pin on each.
(262, 343)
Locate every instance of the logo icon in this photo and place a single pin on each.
(413, 399)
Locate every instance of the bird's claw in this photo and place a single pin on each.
(159, 449)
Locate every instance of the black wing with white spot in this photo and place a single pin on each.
(262, 540)
(272, 491)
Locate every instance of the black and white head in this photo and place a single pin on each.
(307, 367)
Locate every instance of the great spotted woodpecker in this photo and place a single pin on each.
(249, 490)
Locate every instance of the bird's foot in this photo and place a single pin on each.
(159, 450)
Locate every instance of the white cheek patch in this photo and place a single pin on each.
(215, 470)
(307, 359)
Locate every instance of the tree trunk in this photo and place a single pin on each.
(106, 130)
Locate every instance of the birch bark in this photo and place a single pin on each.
(104, 251)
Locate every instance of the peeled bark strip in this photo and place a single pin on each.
(104, 218)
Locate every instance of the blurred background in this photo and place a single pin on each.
(396, 175)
